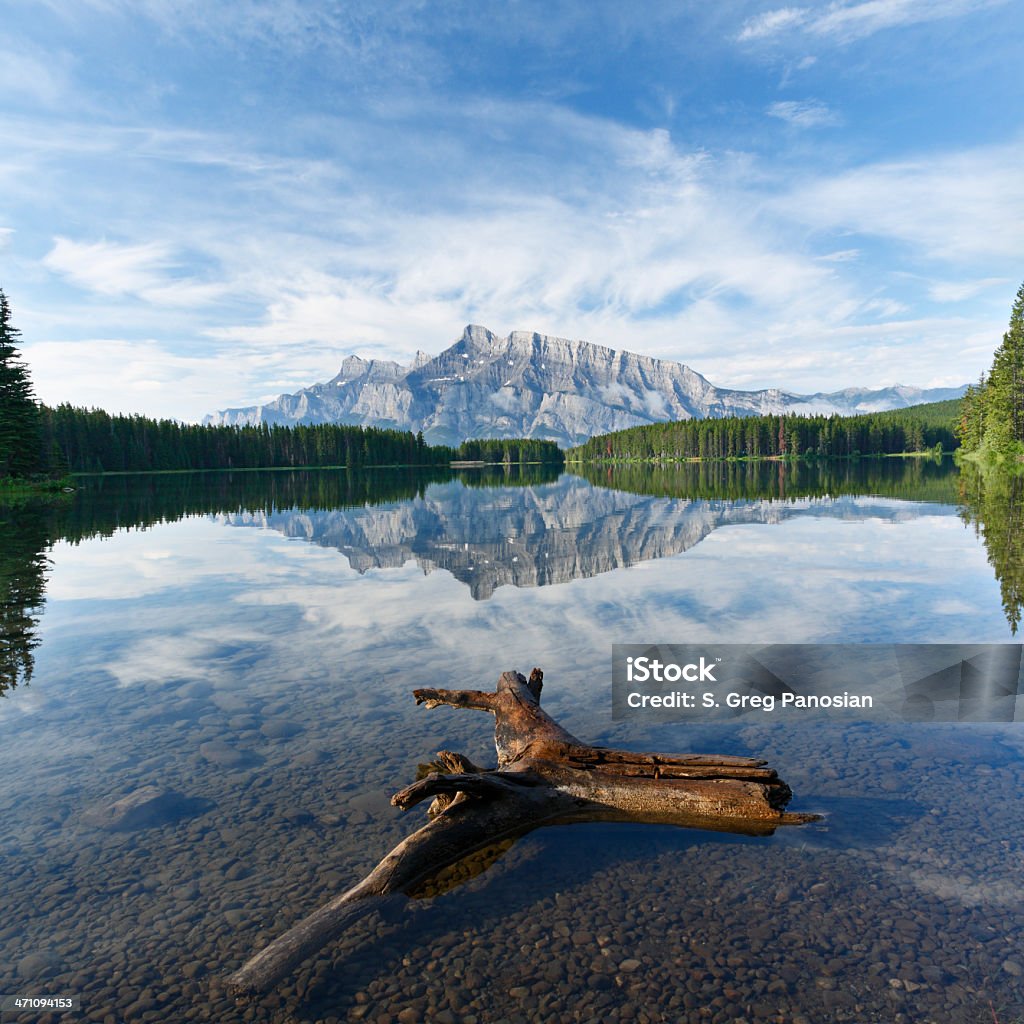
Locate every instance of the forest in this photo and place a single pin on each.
(915, 429)
(93, 441)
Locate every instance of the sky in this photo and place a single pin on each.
(207, 205)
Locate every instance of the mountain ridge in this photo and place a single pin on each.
(534, 385)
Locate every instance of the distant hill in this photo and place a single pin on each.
(532, 385)
(929, 414)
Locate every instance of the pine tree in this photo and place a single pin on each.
(968, 426)
(1004, 394)
(20, 435)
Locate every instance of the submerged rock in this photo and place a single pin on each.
(148, 807)
(280, 729)
(41, 964)
(225, 756)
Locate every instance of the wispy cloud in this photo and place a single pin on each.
(41, 78)
(841, 256)
(145, 270)
(108, 268)
(804, 113)
(961, 205)
(133, 376)
(958, 291)
(772, 23)
(846, 22)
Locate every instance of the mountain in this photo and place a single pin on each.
(532, 385)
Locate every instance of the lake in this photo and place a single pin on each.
(245, 646)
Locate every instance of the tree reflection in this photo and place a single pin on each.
(908, 479)
(992, 501)
(26, 533)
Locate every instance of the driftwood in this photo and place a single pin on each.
(545, 776)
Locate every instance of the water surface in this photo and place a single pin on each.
(248, 642)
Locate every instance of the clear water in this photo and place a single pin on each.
(249, 643)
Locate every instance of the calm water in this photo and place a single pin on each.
(247, 645)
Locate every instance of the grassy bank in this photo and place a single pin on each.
(15, 487)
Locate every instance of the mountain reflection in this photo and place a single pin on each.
(522, 527)
(536, 535)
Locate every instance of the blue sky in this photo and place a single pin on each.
(205, 205)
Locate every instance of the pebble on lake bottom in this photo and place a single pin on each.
(883, 915)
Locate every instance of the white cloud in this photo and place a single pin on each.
(846, 22)
(926, 352)
(136, 376)
(804, 113)
(108, 268)
(632, 241)
(589, 270)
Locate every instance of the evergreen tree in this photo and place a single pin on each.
(20, 438)
(1004, 396)
(992, 419)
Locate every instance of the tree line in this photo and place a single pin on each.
(519, 450)
(991, 421)
(94, 441)
(916, 429)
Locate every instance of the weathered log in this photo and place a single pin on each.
(545, 776)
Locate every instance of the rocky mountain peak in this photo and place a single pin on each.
(476, 337)
(352, 366)
(536, 385)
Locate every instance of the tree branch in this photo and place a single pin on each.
(483, 786)
(456, 698)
